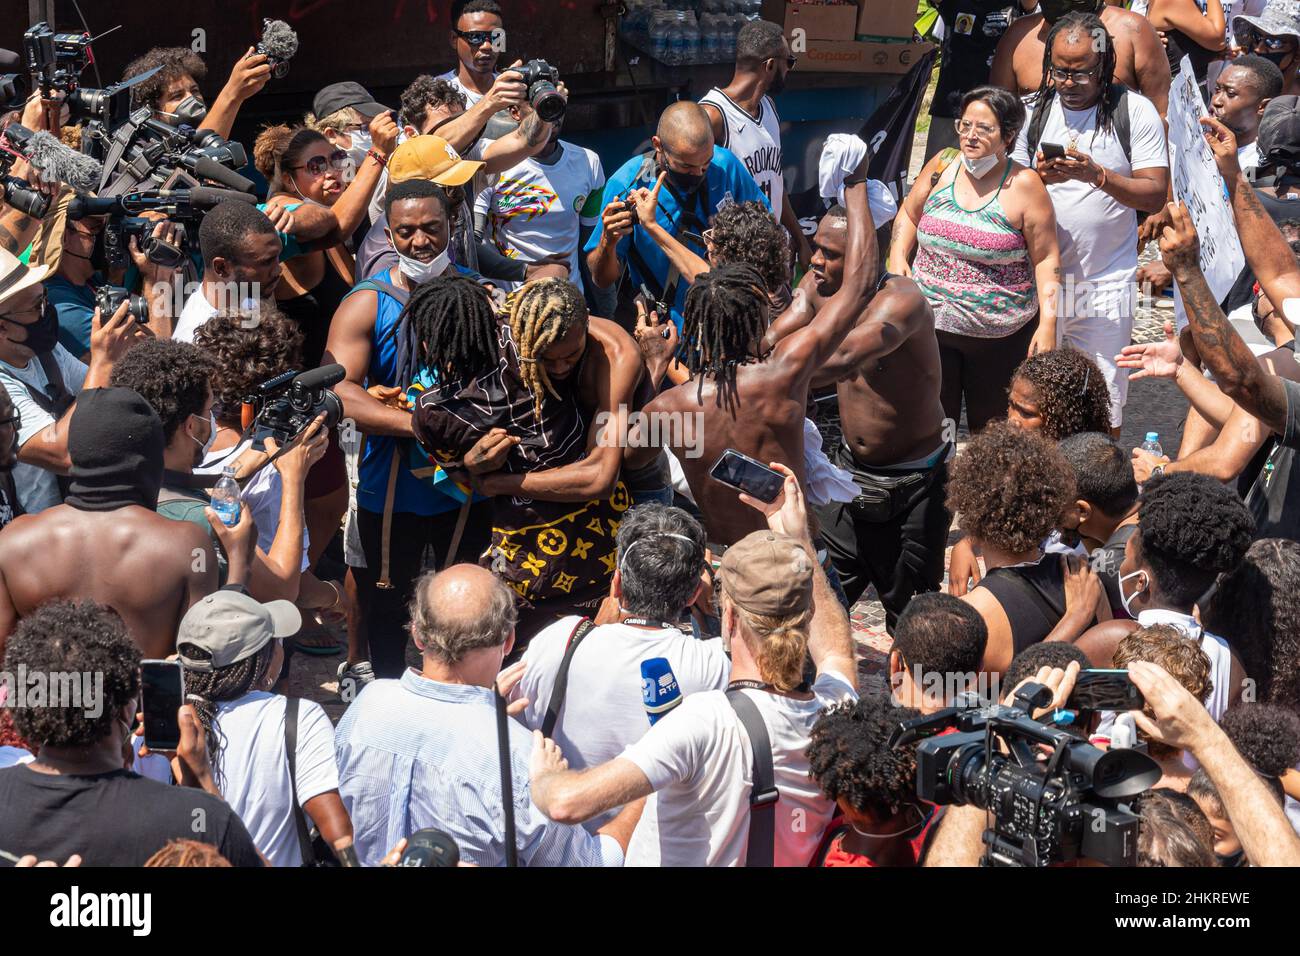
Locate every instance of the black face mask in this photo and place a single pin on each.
(189, 112)
(685, 184)
(1275, 58)
(43, 334)
(1053, 10)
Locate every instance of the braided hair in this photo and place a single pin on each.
(726, 316)
(209, 688)
(1089, 24)
(541, 313)
(452, 327)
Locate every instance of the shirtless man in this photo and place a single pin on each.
(106, 543)
(752, 394)
(1140, 61)
(887, 376)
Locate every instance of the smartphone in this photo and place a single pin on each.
(163, 690)
(745, 474)
(1098, 689)
(1052, 150)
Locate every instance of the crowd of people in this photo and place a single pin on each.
(570, 638)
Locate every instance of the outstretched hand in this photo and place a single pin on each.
(787, 514)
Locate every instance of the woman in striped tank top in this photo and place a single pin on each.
(983, 234)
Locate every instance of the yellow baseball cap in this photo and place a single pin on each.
(433, 158)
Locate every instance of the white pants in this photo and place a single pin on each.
(1097, 319)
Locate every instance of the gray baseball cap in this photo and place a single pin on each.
(230, 626)
(1281, 18)
(1278, 139)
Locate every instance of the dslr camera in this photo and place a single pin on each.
(1053, 797)
(287, 404)
(109, 298)
(543, 96)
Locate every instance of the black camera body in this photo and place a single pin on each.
(18, 193)
(120, 231)
(57, 60)
(109, 298)
(1072, 805)
(289, 403)
(542, 80)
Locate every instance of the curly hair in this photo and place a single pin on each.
(174, 377)
(187, 853)
(1267, 735)
(281, 147)
(248, 348)
(849, 755)
(1044, 654)
(78, 639)
(424, 93)
(1072, 392)
(1010, 487)
(1165, 835)
(747, 233)
(1192, 528)
(175, 61)
(1169, 648)
(1258, 603)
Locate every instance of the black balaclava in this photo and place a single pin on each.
(115, 443)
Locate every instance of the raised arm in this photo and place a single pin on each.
(528, 139)
(1205, 29)
(249, 74)
(647, 208)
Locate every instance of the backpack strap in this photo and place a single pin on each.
(947, 156)
(1124, 125)
(55, 399)
(763, 796)
(1122, 122)
(581, 630)
(291, 751)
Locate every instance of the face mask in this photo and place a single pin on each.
(212, 434)
(361, 144)
(42, 335)
(1126, 598)
(1274, 58)
(418, 271)
(189, 112)
(686, 184)
(978, 167)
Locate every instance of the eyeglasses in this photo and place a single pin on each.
(318, 164)
(476, 37)
(790, 61)
(1061, 75)
(16, 420)
(983, 130)
(707, 235)
(38, 310)
(1271, 43)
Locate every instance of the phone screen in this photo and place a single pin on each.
(1097, 689)
(753, 478)
(163, 690)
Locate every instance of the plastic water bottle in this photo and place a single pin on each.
(710, 40)
(691, 44)
(677, 40)
(659, 38)
(225, 497)
(1152, 444)
(659, 690)
(727, 38)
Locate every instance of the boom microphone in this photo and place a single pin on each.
(54, 158)
(279, 42)
(206, 168)
(324, 377)
(205, 197)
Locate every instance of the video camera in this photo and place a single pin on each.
(144, 151)
(54, 160)
(1045, 811)
(58, 59)
(545, 99)
(286, 405)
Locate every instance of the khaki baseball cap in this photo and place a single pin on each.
(230, 626)
(768, 573)
(433, 158)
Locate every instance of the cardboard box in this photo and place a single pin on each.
(820, 21)
(887, 18)
(852, 56)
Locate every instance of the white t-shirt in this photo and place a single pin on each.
(1248, 157)
(255, 768)
(196, 312)
(603, 710)
(700, 763)
(534, 210)
(471, 96)
(1098, 235)
(37, 488)
(756, 143)
(262, 493)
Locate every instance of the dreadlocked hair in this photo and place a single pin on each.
(540, 314)
(187, 853)
(726, 317)
(207, 689)
(1090, 25)
(452, 327)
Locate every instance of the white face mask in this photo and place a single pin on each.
(361, 144)
(980, 167)
(212, 434)
(418, 271)
(1126, 598)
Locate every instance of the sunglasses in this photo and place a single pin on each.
(789, 60)
(476, 37)
(1271, 43)
(318, 164)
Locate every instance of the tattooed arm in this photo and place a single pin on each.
(16, 230)
(1221, 348)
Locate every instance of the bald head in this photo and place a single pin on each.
(461, 610)
(684, 128)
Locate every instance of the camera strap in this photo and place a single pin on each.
(507, 778)
(763, 794)
(581, 630)
(291, 752)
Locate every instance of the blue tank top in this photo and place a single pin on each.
(412, 495)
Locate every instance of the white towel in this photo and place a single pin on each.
(841, 155)
(824, 482)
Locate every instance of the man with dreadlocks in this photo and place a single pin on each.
(748, 394)
(536, 408)
(1140, 60)
(1115, 162)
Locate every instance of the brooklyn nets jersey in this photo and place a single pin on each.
(755, 142)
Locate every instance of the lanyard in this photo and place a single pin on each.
(749, 685)
(647, 622)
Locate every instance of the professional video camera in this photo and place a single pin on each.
(1048, 810)
(57, 61)
(14, 88)
(286, 405)
(542, 79)
(56, 162)
(109, 298)
(279, 42)
(144, 151)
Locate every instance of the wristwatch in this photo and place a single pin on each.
(1157, 471)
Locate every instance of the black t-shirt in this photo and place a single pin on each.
(971, 31)
(112, 819)
(1106, 561)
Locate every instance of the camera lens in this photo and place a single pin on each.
(547, 101)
